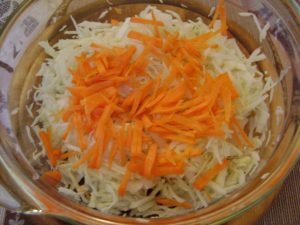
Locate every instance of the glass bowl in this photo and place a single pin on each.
(20, 58)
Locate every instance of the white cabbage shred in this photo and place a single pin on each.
(262, 31)
(98, 188)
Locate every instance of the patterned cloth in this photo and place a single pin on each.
(285, 209)
(6, 9)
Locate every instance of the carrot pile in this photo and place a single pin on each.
(133, 116)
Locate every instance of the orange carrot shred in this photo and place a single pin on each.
(86, 156)
(168, 170)
(223, 18)
(146, 121)
(124, 183)
(94, 45)
(180, 138)
(216, 14)
(114, 22)
(113, 150)
(155, 100)
(136, 144)
(78, 124)
(67, 131)
(241, 131)
(51, 177)
(46, 140)
(121, 146)
(205, 37)
(100, 135)
(150, 160)
(146, 21)
(220, 12)
(227, 104)
(172, 202)
(145, 38)
(210, 174)
(192, 151)
(136, 102)
(157, 34)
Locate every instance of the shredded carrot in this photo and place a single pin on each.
(153, 102)
(216, 14)
(210, 174)
(180, 138)
(193, 151)
(227, 103)
(67, 131)
(100, 134)
(170, 42)
(136, 102)
(205, 37)
(145, 38)
(241, 131)
(136, 144)
(69, 111)
(225, 80)
(177, 130)
(223, 18)
(85, 158)
(95, 45)
(237, 140)
(78, 124)
(195, 109)
(113, 152)
(129, 134)
(114, 22)
(146, 21)
(146, 122)
(150, 160)
(120, 146)
(51, 177)
(136, 167)
(124, 183)
(46, 139)
(220, 12)
(168, 170)
(133, 116)
(174, 94)
(157, 34)
(171, 202)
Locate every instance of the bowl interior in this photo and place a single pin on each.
(243, 29)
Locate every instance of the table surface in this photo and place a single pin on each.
(284, 210)
(286, 207)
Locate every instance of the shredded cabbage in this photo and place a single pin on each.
(262, 31)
